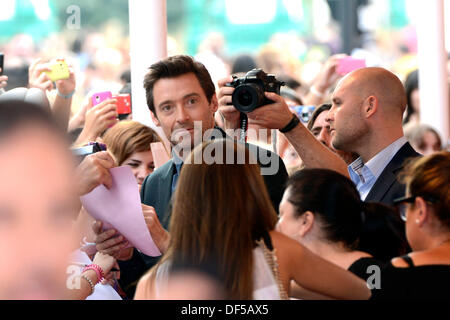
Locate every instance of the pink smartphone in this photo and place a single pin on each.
(99, 97)
(348, 64)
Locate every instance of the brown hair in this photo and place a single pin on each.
(429, 177)
(127, 137)
(317, 111)
(173, 67)
(220, 210)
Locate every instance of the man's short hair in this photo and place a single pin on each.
(315, 114)
(173, 67)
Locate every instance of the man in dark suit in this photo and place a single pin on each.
(182, 100)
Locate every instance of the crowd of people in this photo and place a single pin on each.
(349, 201)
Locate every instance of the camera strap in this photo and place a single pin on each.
(244, 127)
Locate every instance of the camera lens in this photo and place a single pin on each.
(247, 97)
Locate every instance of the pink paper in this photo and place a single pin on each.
(348, 64)
(159, 154)
(120, 207)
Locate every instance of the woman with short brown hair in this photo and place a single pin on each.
(129, 143)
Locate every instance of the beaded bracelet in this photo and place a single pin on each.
(98, 270)
(90, 283)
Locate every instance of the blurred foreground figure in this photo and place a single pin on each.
(188, 280)
(37, 204)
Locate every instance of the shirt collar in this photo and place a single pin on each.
(177, 161)
(377, 164)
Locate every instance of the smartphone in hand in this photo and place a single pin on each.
(99, 97)
(59, 70)
(123, 103)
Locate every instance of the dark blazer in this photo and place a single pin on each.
(387, 187)
(384, 236)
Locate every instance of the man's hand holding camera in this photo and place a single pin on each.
(230, 114)
(256, 95)
(272, 116)
(270, 111)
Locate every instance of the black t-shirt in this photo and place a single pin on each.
(363, 267)
(426, 282)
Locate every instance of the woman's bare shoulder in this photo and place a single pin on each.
(144, 287)
(284, 243)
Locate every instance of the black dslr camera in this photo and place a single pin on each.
(249, 90)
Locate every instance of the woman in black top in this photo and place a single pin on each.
(322, 210)
(424, 273)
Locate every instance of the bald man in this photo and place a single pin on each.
(365, 118)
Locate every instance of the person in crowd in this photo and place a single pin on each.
(37, 235)
(365, 118)
(325, 80)
(333, 229)
(65, 89)
(423, 273)
(98, 119)
(230, 219)
(180, 92)
(129, 143)
(423, 138)
(412, 98)
(320, 128)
